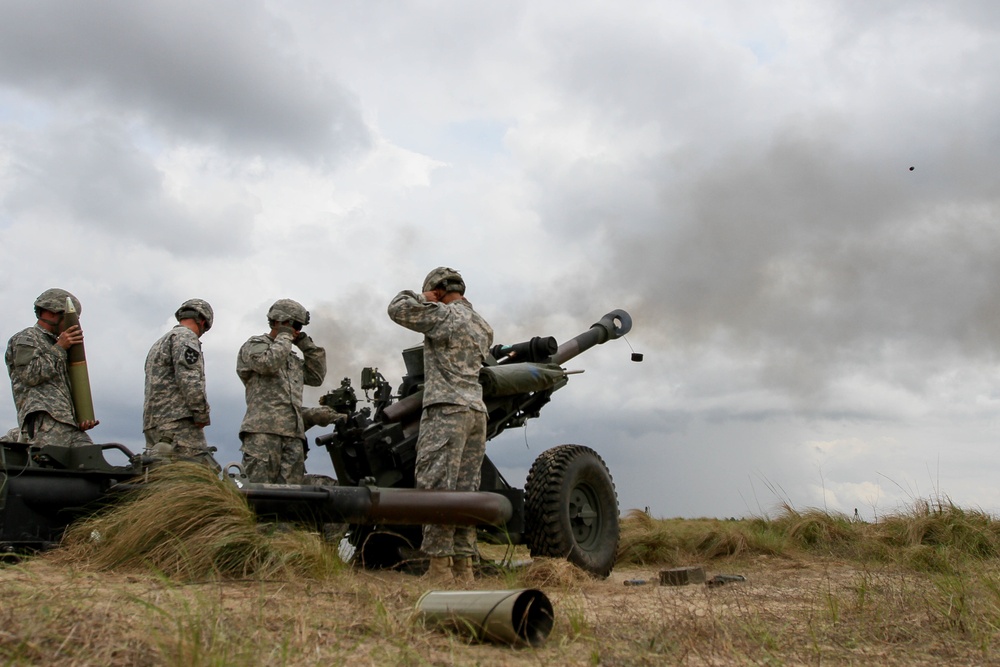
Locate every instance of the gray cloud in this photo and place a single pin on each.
(96, 174)
(813, 313)
(217, 72)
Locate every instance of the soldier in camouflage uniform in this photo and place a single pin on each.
(452, 440)
(175, 411)
(273, 429)
(39, 375)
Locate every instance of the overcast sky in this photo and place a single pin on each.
(819, 321)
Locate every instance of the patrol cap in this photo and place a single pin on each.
(447, 279)
(54, 300)
(287, 310)
(196, 309)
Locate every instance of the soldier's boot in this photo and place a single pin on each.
(439, 572)
(461, 569)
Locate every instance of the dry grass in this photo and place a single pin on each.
(920, 588)
(188, 525)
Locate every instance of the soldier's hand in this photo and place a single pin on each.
(70, 337)
(431, 296)
(321, 416)
(89, 424)
(284, 328)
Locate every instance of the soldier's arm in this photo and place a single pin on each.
(416, 313)
(266, 358)
(189, 370)
(35, 364)
(314, 370)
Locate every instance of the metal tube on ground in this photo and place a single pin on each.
(518, 617)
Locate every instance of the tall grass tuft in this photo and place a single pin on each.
(931, 536)
(648, 541)
(189, 525)
(816, 528)
(940, 523)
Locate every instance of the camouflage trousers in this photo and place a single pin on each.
(183, 440)
(41, 429)
(450, 450)
(276, 459)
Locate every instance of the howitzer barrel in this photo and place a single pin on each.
(362, 504)
(614, 325)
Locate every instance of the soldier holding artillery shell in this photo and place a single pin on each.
(37, 363)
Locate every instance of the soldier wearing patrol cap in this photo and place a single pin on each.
(175, 408)
(39, 375)
(452, 440)
(274, 426)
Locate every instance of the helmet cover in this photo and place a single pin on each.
(195, 309)
(54, 300)
(284, 310)
(444, 278)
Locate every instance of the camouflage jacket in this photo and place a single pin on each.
(39, 376)
(273, 375)
(175, 380)
(456, 342)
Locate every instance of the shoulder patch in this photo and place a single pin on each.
(258, 347)
(23, 354)
(191, 355)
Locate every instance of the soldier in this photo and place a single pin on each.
(452, 440)
(39, 375)
(273, 429)
(175, 411)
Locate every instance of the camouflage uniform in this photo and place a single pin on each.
(175, 398)
(452, 440)
(39, 380)
(273, 430)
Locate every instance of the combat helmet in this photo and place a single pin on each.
(54, 300)
(284, 310)
(447, 279)
(196, 309)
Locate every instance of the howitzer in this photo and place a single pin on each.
(568, 508)
(44, 489)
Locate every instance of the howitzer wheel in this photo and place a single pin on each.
(571, 509)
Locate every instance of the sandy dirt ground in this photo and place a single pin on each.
(785, 612)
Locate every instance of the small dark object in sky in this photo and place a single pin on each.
(637, 356)
(911, 168)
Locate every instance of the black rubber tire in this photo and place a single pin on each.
(571, 509)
